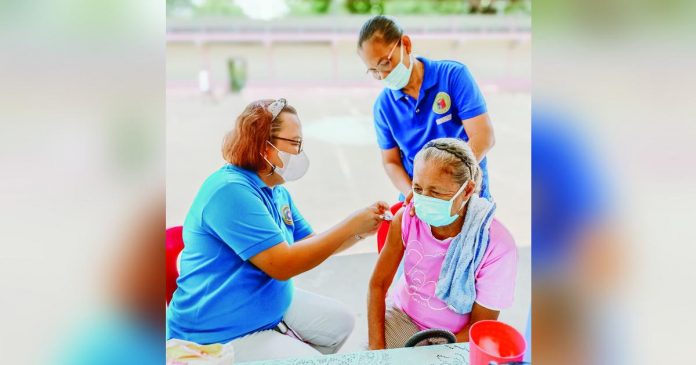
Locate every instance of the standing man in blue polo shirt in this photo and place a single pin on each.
(422, 100)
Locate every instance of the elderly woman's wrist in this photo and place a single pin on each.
(377, 346)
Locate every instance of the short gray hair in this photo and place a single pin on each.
(455, 156)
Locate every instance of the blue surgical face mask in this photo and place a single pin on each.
(436, 212)
(399, 76)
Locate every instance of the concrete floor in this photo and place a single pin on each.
(346, 277)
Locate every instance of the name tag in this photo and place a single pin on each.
(446, 118)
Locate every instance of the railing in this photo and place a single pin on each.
(338, 28)
(334, 30)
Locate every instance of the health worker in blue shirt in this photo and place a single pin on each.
(245, 239)
(422, 100)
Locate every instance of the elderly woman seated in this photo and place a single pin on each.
(459, 264)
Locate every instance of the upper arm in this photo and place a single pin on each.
(481, 313)
(273, 261)
(391, 255)
(392, 155)
(478, 313)
(479, 127)
(238, 216)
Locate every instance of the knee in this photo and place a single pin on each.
(344, 322)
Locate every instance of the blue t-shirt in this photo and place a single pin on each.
(220, 294)
(448, 96)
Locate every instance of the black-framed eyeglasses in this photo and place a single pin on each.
(295, 142)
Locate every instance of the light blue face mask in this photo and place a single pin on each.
(436, 212)
(399, 76)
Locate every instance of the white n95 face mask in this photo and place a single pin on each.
(294, 166)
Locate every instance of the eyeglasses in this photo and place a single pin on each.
(384, 66)
(294, 142)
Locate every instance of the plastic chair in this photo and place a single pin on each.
(384, 227)
(174, 245)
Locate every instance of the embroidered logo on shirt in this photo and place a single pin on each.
(287, 214)
(442, 103)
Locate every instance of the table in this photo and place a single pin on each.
(450, 354)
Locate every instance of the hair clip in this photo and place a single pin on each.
(276, 107)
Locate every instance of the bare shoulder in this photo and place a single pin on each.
(398, 217)
(394, 237)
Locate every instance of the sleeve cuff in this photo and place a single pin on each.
(302, 233)
(475, 112)
(261, 246)
(386, 145)
(491, 307)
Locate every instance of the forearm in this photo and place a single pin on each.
(381, 280)
(481, 145)
(311, 252)
(398, 176)
(463, 335)
(481, 135)
(375, 318)
(348, 243)
(478, 313)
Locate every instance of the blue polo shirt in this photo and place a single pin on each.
(220, 294)
(448, 96)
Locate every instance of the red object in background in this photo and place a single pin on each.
(384, 227)
(174, 245)
(495, 341)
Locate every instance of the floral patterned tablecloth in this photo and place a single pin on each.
(454, 354)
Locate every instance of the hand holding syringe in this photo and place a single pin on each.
(387, 216)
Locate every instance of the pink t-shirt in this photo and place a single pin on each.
(414, 292)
